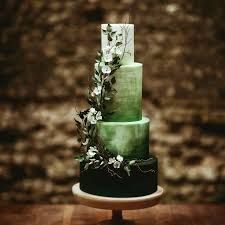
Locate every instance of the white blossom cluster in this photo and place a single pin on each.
(97, 91)
(93, 116)
(107, 62)
(104, 66)
(116, 162)
(108, 53)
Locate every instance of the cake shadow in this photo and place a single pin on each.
(114, 222)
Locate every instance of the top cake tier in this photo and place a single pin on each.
(127, 31)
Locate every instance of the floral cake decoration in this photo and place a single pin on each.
(101, 91)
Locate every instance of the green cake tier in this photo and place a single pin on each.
(127, 103)
(129, 139)
(142, 180)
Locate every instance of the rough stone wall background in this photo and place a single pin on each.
(46, 55)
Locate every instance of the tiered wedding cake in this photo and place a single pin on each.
(113, 132)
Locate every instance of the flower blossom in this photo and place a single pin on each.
(92, 151)
(108, 57)
(116, 164)
(92, 110)
(98, 115)
(93, 116)
(118, 51)
(96, 91)
(119, 158)
(116, 161)
(106, 49)
(106, 69)
(112, 160)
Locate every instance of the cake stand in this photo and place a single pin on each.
(116, 204)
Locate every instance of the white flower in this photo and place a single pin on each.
(91, 115)
(118, 51)
(116, 164)
(119, 158)
(91, 118)
(92, 110)
(94, 148)
(106, 69)
(112, 160)
(96, 91)
(106, 49)
(91, 154)
(98, 115)
(92, 151)
(108, 57)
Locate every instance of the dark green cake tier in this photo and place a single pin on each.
(139, 183)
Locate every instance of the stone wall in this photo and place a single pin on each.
(47, 53)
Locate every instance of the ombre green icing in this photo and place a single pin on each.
(127, 103)
(129, 139)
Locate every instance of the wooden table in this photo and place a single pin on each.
(82, 215)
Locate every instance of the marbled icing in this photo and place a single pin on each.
(127, 103)
(129, 139)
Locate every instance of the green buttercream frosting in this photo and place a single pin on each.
(126, 105)
(129, 139)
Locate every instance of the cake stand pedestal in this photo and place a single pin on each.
(116, 204)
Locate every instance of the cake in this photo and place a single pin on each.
(113, 133)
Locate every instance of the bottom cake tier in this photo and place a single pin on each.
(142, 180)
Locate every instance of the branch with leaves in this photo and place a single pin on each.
(101, 91)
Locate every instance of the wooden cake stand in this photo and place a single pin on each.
(116, 204)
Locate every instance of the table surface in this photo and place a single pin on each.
(82, 215)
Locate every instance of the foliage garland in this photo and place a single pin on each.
(101, 91)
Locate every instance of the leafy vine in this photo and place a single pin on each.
(101, 91)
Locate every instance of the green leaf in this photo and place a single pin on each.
(107, 98)
(118, 43)
(132, 162)
(99, 56)
(109, 37)
(109, 28)
(80, 158)
(107, 86)
(78, 122)
(86, 166)
(81, 114)
(127, 169)
(113, 91)
(104, 31)
(113, 80)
